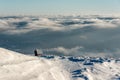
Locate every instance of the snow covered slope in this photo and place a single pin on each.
(85, 68)
(16, 66)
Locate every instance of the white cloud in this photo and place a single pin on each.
(4, 25)
(62, 50)
(93, 33)
(55, 24)
(104, 24)
(79, 51)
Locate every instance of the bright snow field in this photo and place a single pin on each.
(16, 66)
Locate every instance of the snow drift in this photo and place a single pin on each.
(16, 66)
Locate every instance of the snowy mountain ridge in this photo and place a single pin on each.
(16, 66)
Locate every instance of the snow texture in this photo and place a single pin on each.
(16, 66)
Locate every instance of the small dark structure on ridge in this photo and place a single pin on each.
(36, 53)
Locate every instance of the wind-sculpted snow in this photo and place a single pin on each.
(92, 68)
(16, 66)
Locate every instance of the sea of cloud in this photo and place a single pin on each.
(69, 35)
(20, 25)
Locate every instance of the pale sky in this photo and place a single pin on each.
(54, 7)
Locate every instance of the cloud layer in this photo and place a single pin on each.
(13, 25)
(68, 35)
(79, 51)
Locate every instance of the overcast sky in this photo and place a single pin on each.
(38, 7)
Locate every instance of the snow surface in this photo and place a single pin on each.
(16, 66)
